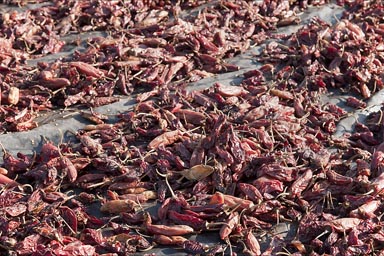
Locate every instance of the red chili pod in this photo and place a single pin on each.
(364, 90)
(68, 168)
(87, 69)
(219, 38)
(252, 243)
(345, 224)
(16, 209)
(228, 227)
(179, 218)
(90, 177)
(366, 210)
(49, 151)
(338, 178)
(90, 146)
(169, 240)
(142, 197)
(92, 236)
(285, 95)
(377, 184)
(194, 247)
(172, 230)
(119, 206)
(165, 139)
(232, 201)
(3, 171)
(206, 44)
(7, 181)
(191, 116)
(92, 127)
(56, 83)
(80, 162)
(251, 192)
(229, 90)
(299, 246)
(301, 183)
(355, 103)
(70, 218)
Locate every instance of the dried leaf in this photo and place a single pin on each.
(13, 95)
(198, 172)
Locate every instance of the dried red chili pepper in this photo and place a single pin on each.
(228, 227)
(169, 240)
(192, 221)
(174, 230)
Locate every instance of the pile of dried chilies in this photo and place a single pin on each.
(151, 44)
(230, 160)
